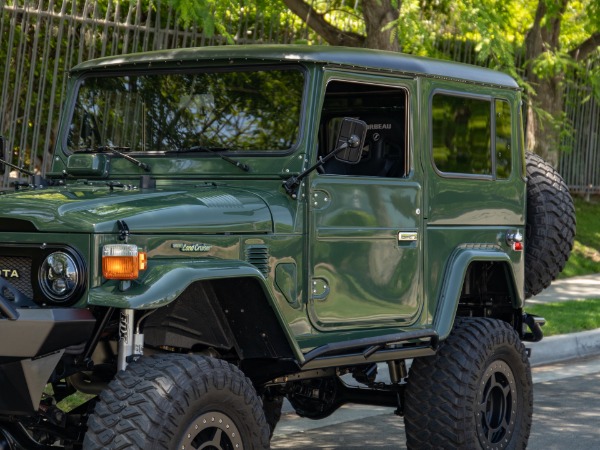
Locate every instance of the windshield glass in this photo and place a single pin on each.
(245, 110)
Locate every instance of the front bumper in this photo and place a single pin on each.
(32, 341)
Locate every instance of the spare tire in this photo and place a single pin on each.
(550, 227)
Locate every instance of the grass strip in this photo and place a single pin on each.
(585, 257)
(569, 316)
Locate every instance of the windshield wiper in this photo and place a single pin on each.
(17, 168)
(200, 148)
(117, 150)
(36, 180)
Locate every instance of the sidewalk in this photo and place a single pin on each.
(575, 288)
(568, 346)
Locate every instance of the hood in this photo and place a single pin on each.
(210, 210)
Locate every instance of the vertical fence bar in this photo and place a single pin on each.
(30, 96)
(50, 119)
(581, 166)
(43, 39)
(17, 92)
(41, 94)
(5, 101)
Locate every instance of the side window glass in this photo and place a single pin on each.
(461, 130)
(384, 109)
(503, 139)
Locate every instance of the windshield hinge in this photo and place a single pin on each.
(123, 230)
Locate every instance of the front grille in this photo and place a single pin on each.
(17, 271)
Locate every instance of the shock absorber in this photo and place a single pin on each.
(131, 345)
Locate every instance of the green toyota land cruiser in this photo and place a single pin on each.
(226, 227)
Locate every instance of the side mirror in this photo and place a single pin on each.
(348, 149)
(352, 132)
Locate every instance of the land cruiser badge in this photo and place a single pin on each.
(190, 248)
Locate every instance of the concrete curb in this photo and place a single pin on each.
(554, 349)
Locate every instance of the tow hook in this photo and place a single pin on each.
(535, 324)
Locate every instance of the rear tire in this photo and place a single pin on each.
(475, 393)
(178, 401)
(550, 228)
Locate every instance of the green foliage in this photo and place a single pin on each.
(199, 11)
(215, 17)
(568, 316)
(554, 64)
(206, 15)
(592, 12)
(496, 30)
(416, 32)
(486, 32)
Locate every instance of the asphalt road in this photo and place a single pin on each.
(566, 416)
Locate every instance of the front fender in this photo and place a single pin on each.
(454, 277)
(166, 280)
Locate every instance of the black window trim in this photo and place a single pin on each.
(378, 79)
(62, 142)
(486, 97)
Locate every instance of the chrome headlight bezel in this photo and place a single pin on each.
(61, 277)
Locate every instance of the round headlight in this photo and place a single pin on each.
(59, 277)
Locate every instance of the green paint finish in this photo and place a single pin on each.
(487, 243)
(164, 281)
(286, 281)
(453, 279)
(351, 58)
(82, 208)
(371, 278)
(361, 252)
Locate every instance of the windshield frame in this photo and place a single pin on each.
(218, 68)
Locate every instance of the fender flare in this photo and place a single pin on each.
(454, 277)
(165, 280)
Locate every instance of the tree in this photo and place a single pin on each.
(502, 32)
(378, 15)
(548, 60)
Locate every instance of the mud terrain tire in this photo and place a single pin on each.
(176, 401)
(475, 393)
(550, 228)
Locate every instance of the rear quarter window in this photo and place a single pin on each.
(471, 135)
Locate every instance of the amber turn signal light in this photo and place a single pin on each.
(122, 261)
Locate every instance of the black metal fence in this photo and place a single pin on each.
(580, 166)
(42, 39)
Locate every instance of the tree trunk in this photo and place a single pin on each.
(317, 22)
(378, 15)
(545, 106)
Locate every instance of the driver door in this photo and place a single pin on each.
(365, 218)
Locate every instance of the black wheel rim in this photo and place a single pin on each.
(211, 431)
(497, 406)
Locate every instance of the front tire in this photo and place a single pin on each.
(175, 402)
(475, 393)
